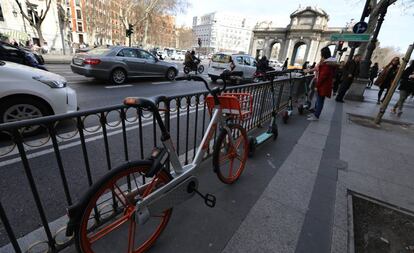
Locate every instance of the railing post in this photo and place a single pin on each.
(9, 230)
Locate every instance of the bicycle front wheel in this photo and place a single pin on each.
(230, 153)
(109, 224)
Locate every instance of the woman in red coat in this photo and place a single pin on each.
(326, 74)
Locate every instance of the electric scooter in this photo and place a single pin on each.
(308, 102)
(289, 108)
(272, 130)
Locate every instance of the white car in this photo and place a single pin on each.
(27, 92)
(221, 61)
(177, 56)
(275, 63)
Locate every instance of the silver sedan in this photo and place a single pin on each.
(119, 63)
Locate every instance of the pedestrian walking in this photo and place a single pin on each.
(350, 71)
(326, 72)
(386, 77)
(338, 77)
(373, 72)
(313, 70)
(406, 88)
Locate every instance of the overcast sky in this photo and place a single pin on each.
(397, 29)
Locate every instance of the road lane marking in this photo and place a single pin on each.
(164, 82)
(118, 86)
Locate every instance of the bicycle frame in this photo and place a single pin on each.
(161, 199)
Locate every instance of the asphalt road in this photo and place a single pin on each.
(93, 93)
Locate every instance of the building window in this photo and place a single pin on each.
(1, 14)
(80, 28)
(78, 14)
(77, 2)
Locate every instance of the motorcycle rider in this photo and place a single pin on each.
(263, 65)
(191, 60)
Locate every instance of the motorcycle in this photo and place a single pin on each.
(197, 68)
(259, 76)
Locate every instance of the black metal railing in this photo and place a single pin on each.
(41, 175)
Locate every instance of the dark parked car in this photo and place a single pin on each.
(21, 55)
(119, 63)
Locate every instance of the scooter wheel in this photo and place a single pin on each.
(285, 117)
(252, 146)
(275, 132)
(300, 109)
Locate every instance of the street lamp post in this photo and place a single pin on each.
(366, 63)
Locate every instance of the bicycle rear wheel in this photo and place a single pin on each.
(108, 223)
(229, 157)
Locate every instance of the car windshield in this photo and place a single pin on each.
(99, 51)
(221, 58)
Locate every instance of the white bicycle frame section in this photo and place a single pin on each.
(175, 191)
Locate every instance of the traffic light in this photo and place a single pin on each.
(199, 42)
(130, 30)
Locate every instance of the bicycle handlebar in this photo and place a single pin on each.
(198, 78)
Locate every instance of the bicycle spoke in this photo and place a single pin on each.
(101, 233)
(119, 198)
(224, 158)
(123, 195)
(231, 168)
(131, 234)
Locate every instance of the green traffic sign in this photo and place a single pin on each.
(350, 37)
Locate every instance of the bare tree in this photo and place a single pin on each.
(143, 13)
(375, 7)
(383, 55)
(35, 18)
(97, 18)
(185, 38)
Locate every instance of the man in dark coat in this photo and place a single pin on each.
(373, 72)
(350, 71)
(406, 88)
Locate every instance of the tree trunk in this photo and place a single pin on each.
(40, 34)
(144, 41)
(372, 23)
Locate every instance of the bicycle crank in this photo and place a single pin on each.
(167, 200)
(209, 200)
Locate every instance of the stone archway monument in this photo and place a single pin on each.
(300, 41)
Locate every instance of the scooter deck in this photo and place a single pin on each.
(263, 137)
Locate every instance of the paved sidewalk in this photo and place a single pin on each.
(57, 59)
(304, 208)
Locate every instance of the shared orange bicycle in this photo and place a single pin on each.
(135, 200)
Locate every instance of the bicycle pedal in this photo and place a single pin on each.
(209, 199)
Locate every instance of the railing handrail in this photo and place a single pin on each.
(53, 118)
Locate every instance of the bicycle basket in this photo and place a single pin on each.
(234, 105)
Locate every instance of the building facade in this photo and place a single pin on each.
(220, 31)
(15, 27)
(300, 41)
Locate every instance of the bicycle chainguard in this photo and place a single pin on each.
(209, 199)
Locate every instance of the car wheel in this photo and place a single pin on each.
(170, 75)
(16, 109)
(118, 76)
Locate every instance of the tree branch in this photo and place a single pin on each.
(24, 14)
